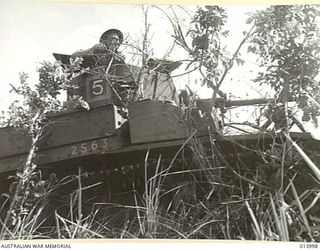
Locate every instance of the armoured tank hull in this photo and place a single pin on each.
(104, 136)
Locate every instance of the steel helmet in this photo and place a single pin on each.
(111, 31)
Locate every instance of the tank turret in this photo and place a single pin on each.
(119, 83)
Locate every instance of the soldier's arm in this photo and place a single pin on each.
(96, 49)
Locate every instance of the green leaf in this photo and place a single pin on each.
(225, 33)
(252, 49)
(240, 61)
(249, 20)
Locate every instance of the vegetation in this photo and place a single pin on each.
(264, 191)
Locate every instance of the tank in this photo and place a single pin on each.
(132, 111)
(123, 119)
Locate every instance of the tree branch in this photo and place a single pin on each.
(227, 68)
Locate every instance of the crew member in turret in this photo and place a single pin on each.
(106, 63)
(109, 44)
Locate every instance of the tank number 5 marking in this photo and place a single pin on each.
(89, 147)
(97, 87)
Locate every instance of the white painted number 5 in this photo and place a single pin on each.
(97, 87)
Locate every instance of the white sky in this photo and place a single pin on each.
(31, 31)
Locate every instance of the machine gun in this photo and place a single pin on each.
(120, 126)
(122, 121)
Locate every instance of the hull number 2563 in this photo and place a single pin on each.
(89, 147)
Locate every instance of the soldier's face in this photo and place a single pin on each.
(112, 41)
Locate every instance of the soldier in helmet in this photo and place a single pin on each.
(110, 42)
(104, 60)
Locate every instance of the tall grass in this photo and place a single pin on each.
(245, 193)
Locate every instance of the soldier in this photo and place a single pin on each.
(110, 42)
(107, 63)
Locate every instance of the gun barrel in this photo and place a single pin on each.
(231, 103)
(237, 103)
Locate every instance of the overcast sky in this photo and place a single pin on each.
(31, 31)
